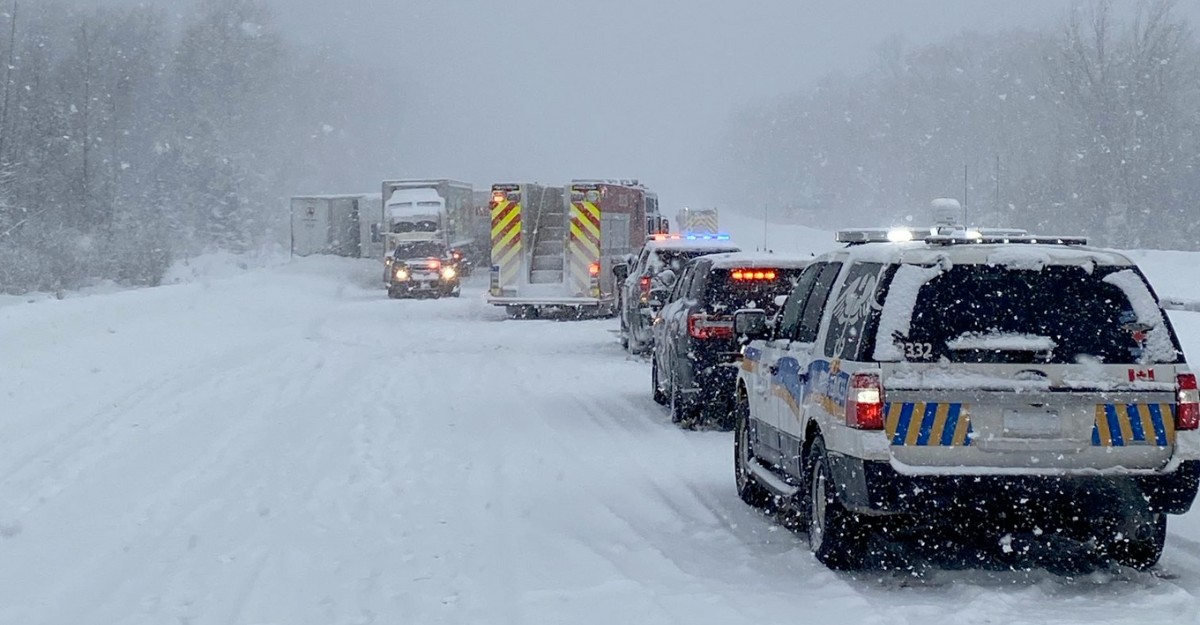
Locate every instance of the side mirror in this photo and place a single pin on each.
(620, 271)
(780, 300)
(751, 323)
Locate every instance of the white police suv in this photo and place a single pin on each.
(989, 386)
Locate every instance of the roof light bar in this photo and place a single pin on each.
(662, 236)
(946, 234)
(987, 238)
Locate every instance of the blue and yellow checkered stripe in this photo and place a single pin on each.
(927, 424)
(1118, 425)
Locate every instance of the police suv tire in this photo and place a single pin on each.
(660, 397)
(633, 345)
(393, 293)
(835, 534)
(748, 488)
(718, 414)
(1143, 551)
(679, 408)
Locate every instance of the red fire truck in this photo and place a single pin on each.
(555, 249)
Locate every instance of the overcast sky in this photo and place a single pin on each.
(549, 90)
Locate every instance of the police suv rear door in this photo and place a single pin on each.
(787, 359)
(1061, 367)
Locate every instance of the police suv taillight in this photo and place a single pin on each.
(864, 402)
(1187, 406)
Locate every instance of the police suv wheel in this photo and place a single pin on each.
(748, 487)
(680, 412)
(1142, 550)
(834, 533)
(660, 397)
(634, 344)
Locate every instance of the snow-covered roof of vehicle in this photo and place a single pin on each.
(732, 260)
(414, 203)
(400, 196)
(339, 196)
(1016, 255)
(694, 243)
(950, 243)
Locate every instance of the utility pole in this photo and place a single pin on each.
(765, 226)
(8, 65)
(997, 215)
(966, 193)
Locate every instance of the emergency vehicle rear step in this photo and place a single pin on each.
(548, 264)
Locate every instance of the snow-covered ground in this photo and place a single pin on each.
(284, 445)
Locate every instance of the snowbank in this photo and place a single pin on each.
(223, 264)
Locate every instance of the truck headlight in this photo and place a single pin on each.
(448, 273)
(401, 274)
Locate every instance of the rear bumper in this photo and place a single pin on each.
(423, 285)
(566, 302)
(874, 487)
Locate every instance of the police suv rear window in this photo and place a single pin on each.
(724, 293)
(1057, 315)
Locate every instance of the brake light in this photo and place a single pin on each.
(864, 402)
(594, 269)
(753, 274)
(710, 327)
(644, 283)
(1187, 410)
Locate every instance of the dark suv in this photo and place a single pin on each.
(421, 269)
(693, 368)
(652, 274)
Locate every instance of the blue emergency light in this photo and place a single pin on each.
(689, 237)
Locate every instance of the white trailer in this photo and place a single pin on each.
(343, 225)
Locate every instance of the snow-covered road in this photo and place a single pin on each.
(288, 446)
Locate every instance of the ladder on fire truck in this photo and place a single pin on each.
(549, 243)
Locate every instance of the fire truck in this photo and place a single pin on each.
(556, 249)
(697, 221)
